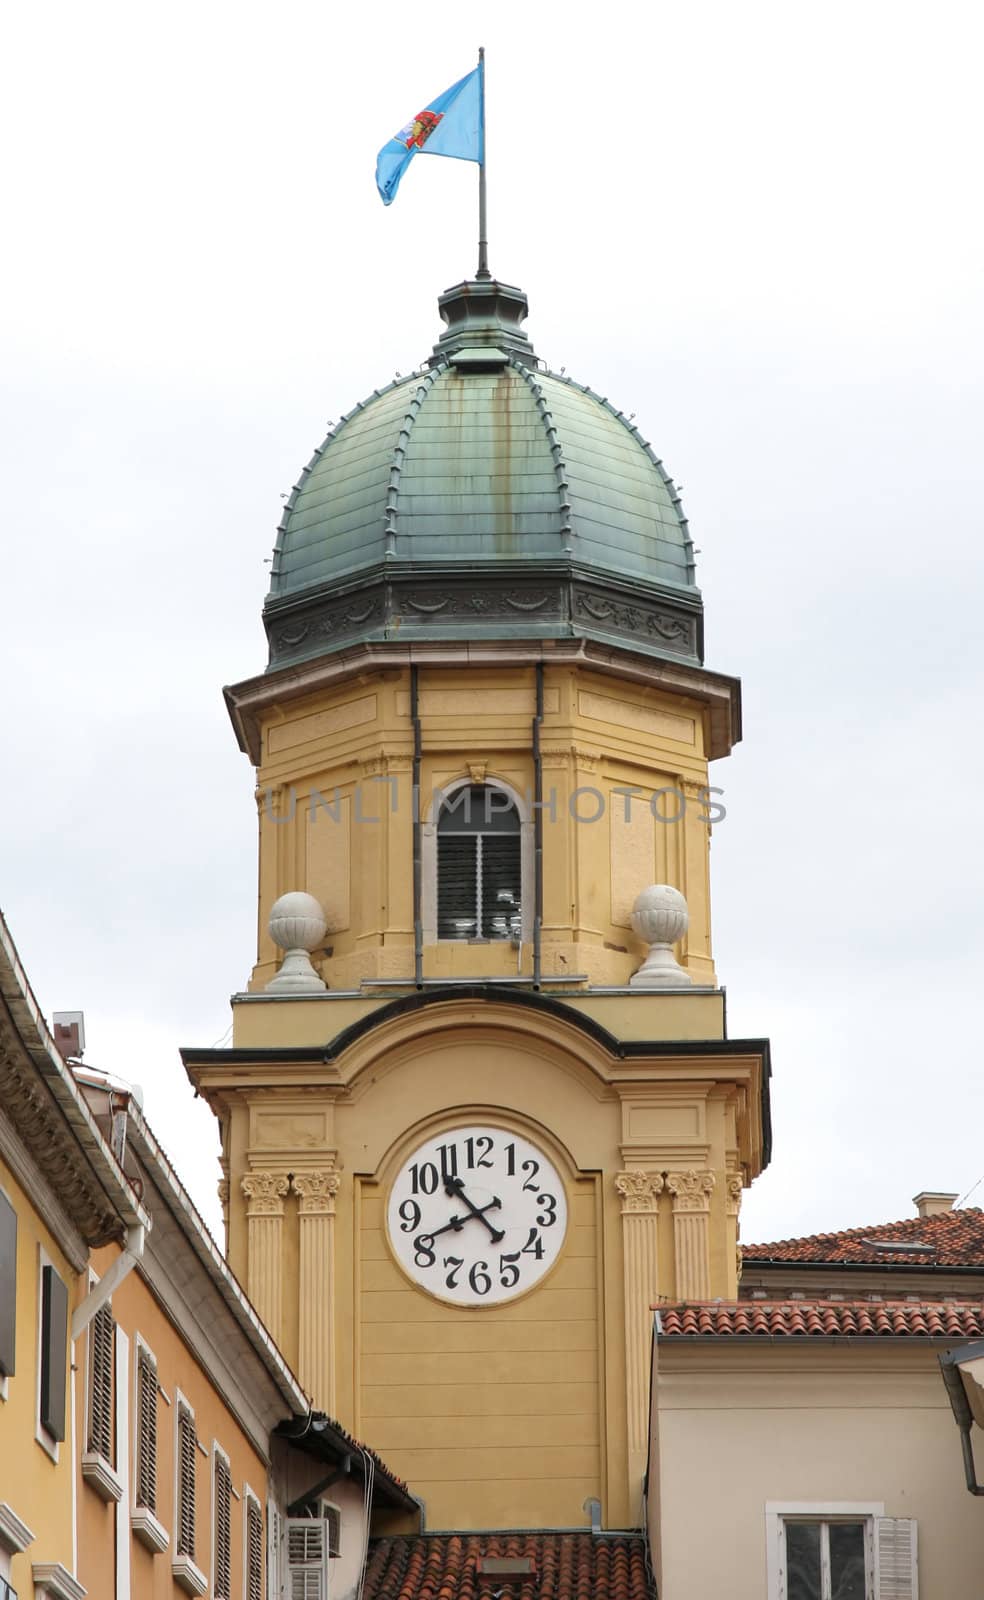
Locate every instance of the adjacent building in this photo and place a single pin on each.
(153, 1440)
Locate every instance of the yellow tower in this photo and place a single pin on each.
(481, 1110)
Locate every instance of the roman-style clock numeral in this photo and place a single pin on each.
(477, 1215)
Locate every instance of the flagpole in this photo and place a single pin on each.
(483, 242)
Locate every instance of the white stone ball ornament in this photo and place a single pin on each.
(298, 925)
(660, 918)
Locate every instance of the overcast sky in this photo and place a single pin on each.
(759, 227)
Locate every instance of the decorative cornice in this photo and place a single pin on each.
(47, 1204)
(691, 1190)
(48, 1139)
(15, 1535)
(316, 1191)
(52, 1581)
(639, 1191)
(265, 1193)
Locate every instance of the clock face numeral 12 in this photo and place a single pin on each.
(477, 1215)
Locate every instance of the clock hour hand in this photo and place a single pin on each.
(456, 1187)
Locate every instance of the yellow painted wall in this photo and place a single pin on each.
(335, 814)
(37, 1488)
(741, 1426)
(137, 1311)
(493, 1415)
(409, 1367)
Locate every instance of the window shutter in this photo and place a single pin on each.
(333, 1523)
(222, 1586)
(8, 1286)
(146, 1432)
(896, 1563)
(274, 1554)
(102, 1339)
(187, 1446)
(54, 1349)
(457, 887)
(307, 1556)
(501, 911)
(254, 1550)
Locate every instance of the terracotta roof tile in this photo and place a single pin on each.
(566, 1566)
(925, 1319)
(957, 1238)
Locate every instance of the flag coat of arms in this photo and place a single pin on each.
(453, 124)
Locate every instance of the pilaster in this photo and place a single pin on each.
(265, 1193)
(316, 1191)
(732, 1206)
(691, 1193)
(640, 1192)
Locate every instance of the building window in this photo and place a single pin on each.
(222, 1525)
(827, 1560)
(54, 1352)
(186, 1465)
(479, 865)
(146, 1428)
(8, 1287)
(254, 1547)
(333, 1528)
(840, 1552)
(102, 1340)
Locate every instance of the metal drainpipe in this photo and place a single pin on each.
(537, 827)
(418, 927)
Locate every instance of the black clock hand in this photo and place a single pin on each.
(456, 1187)
(456, 1224)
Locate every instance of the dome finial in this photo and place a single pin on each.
(483, 314)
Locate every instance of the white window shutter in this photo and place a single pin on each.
(307, 1558)
(896, 1562)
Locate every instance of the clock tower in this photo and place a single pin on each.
(481, 1110)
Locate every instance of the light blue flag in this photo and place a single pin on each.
(451, 125)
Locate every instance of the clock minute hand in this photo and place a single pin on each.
(456, 1187)
(455, 1225)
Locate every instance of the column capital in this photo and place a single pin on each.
(735, 1185)
(691, 1190)
(316, 1191)
(639, 1191)
(222, 1190)
(265, 1193)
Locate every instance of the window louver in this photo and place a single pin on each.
(187, 1446)
(479, 867)
(222, 1586)
(102, 1337)
(306, 1551)
(254, 1551)
(146, 1432)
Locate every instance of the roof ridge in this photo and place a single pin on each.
(424, 387)
(560, 465)
(630, 427)
(333, 431)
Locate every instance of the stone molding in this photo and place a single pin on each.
(691, 1190)
(15, 1535)
(48, 1139)
(639, 1191)
(265, 1193)
(316, 1191)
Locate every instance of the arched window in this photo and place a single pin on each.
(479, 865)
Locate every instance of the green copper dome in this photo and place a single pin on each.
(483, 497)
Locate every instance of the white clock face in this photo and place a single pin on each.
(477, 1215)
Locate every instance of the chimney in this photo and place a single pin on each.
(68, 1028)
(929, 1203)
